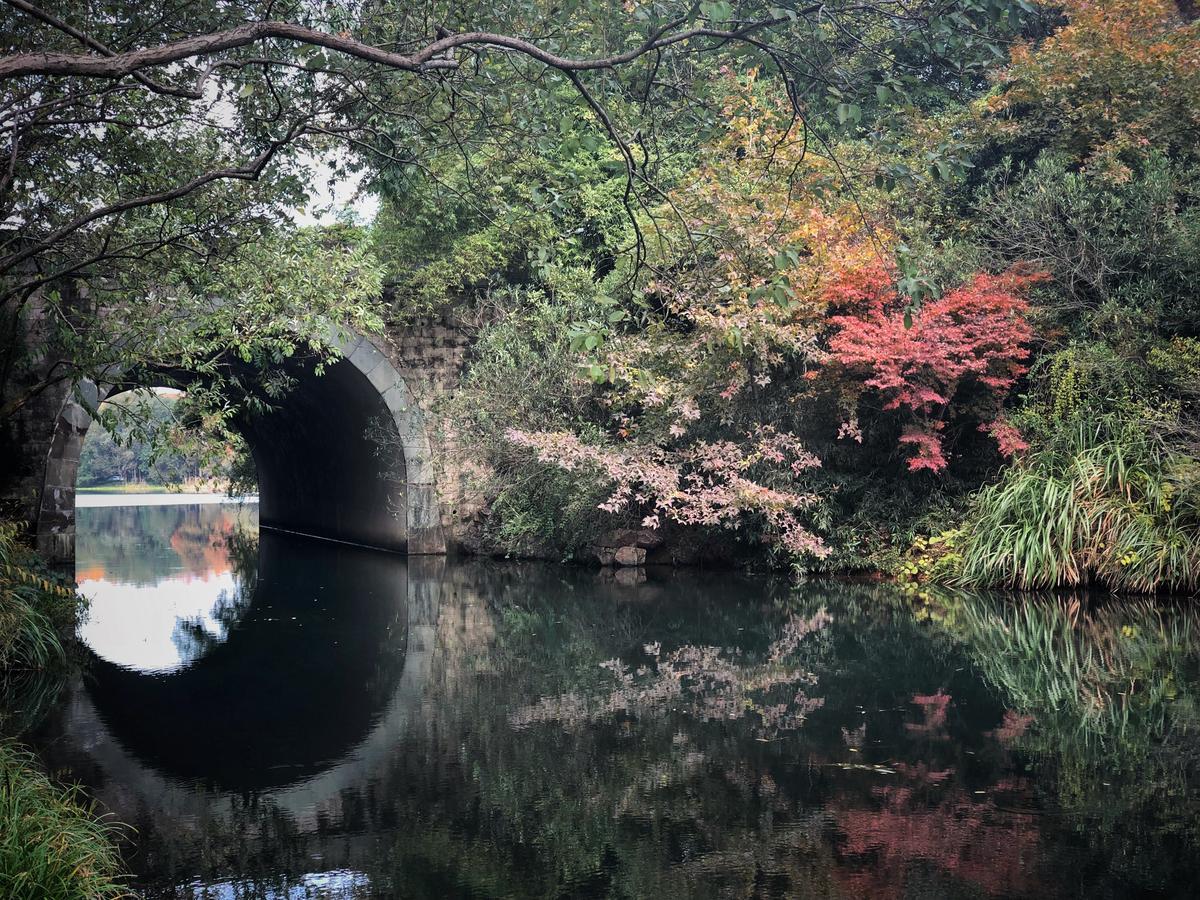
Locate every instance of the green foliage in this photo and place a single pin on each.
(936, 559)
(524, 374)
(1124, 256)
(503, 216)
(1106, 502)
(37, 607)
(53, 845)
(543, 512)
(148, 444)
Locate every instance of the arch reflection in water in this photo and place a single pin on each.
(166, 582)
(304, 658)
(256, 738)
(556, 733)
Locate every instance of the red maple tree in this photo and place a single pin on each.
(970, 342)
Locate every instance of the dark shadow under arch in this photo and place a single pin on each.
(319, 473)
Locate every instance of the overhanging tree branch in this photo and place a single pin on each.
(248, 172)
(435, 55)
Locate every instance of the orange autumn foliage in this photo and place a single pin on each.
(1121, 78)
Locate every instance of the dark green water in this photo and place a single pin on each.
(286, 718)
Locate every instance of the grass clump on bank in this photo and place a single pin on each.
(52, 844)
(37, 607)
(1111, 504)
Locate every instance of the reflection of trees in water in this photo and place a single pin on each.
(674, 804)
(193, 637)
(1106, 700)
(918, 776)
(201, 542)
(141, 544)
(131, 541)
(911, 779)
(705, 682)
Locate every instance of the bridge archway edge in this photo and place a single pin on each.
(319, 473)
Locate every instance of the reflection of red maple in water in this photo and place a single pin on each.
(930, 822)
(934, 707)
(203, 546)
(922, 773)
(969, 839)
(1012, 728)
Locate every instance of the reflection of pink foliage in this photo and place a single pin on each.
(1013, 727)
(934, 707)
(703, 682)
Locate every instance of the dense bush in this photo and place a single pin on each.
(524, 373)
(1124, 257)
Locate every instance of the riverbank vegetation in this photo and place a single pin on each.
(52, 843)
(971, 320)
(839, 287)
(797, 287)
(38, 607)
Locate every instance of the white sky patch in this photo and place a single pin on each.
(331, 203)
(158, 609)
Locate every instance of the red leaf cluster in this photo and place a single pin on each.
(975, 336)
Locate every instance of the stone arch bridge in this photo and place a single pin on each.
(319, 473)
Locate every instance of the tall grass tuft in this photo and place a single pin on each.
(1110, 503)
(52, 844)
(35, 608)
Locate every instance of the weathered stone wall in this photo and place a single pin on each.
(25, 447)
(431, 354)
(29, 437)
(40, 445)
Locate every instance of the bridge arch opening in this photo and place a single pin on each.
(320, 468)
(133, 456)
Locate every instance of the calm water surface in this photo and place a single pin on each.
(286, 718)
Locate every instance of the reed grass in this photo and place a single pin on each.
(35, 608)
(53, 845)
(1109, 504)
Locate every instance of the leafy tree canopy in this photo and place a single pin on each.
(145, 141)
